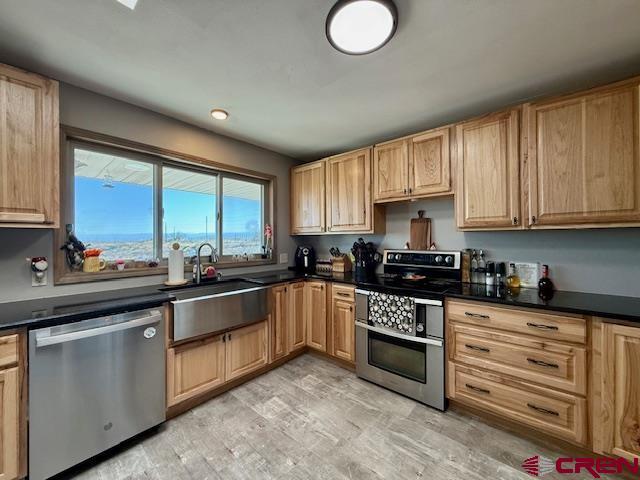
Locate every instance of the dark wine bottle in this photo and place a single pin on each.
(545, 285)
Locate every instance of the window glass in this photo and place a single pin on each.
(189, 202)
(242, 217)
(114, 204)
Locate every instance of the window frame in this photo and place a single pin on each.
(71, 138)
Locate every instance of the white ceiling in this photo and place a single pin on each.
(268, 63)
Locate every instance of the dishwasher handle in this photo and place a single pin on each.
(151, 317)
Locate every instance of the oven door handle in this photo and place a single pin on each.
(382, 331)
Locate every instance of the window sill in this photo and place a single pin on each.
(70, 278)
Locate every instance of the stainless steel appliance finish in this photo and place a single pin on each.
(202, 310)
(410, 364)
(92, 385)
(400, 323)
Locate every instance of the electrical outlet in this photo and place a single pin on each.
(38, 281)
(284, 258)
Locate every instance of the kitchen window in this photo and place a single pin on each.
(134, 206)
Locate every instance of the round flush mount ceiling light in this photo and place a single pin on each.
(358, 27)
(219, 114)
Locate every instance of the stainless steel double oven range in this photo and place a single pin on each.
(400, 323)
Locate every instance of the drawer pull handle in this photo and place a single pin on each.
(475, 347)
(342, 294)
(540, 363)
(477, 389)
(541, 326)
(476, 315)
(542, 410)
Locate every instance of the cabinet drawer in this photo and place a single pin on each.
(550, 364)
(552, 326)
(8, 350)
(342, 292)
(558, 414)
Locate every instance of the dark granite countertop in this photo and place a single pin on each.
(70, 308)
(44, 312)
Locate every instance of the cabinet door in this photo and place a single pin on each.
(246, 350)
(10, 410)
(195, 368)
(584, 159)
(297, 320)
(343, 319)
(487, 160)
(349, 192)
(429, 171)
(315, 312)
(279, 322)
(29, 159)
(390, 170)
(308, 198)
(619, 419)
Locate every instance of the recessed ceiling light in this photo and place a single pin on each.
(357, 27)
(129, 3)
(219, 114)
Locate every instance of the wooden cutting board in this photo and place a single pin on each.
(420, 232)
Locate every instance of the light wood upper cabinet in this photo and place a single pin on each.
(308, 198)
(487, 169)
(315, 312)
(29, 150)
(430, 163)
(297, 320)
(391, 170)
(584, 158)
(343, 322)
(246, 350)
(616, 413)
(279, 322)
(349, 205)
(195, 368)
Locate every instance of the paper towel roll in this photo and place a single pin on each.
(176, 266)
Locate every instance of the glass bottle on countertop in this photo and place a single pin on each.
(482, 268)
(545, 285)
(513, 280)
(490, 273)
(474, 267)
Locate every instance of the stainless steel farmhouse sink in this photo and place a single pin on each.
(215, 308)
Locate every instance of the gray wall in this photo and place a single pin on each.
(599, 260)
(91, 111)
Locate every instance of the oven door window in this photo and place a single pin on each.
(395, 355)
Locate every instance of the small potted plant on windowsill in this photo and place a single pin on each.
(120, 264)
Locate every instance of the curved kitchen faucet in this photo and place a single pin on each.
(214, 259)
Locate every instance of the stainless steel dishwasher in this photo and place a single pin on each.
(92, 385)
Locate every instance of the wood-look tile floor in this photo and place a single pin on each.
(310, 419)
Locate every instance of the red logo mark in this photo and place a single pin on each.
(538, 466)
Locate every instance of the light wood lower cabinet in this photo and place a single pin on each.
(297, 320)
(526, 366)
(246, 350)
(315, 313)
(279, 323)
(200, 366)
(10, 424)
(616, 389)
(556, 413)
(343, 322)
(195, 368)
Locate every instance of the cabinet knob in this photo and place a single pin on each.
(533, 219)
(410, 190)
(515, 220)
(404, 191)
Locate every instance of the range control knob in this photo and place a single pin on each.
(398, 257)
(390, 257)
(439, 259)
(449, 260)
(419, 327)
